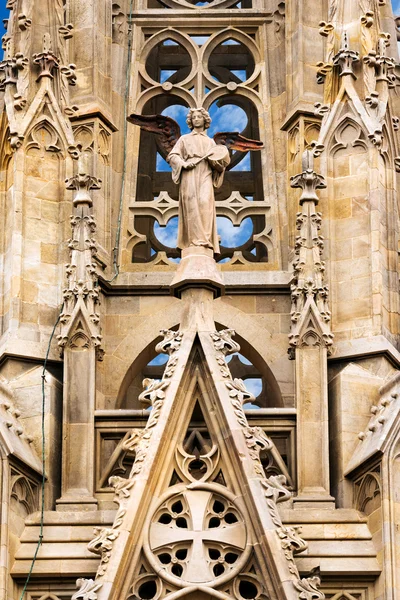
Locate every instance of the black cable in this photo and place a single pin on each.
(40, 540)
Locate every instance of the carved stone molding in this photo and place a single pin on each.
(310, 314)
(81, 298)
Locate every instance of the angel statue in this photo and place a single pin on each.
(198, 164)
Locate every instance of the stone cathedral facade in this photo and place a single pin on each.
(227, 427)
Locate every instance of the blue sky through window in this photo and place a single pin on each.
(225, 118)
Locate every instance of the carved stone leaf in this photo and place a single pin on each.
(87, 589)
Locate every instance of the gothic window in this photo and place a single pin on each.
(220, 71)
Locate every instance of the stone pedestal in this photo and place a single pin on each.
(312, 429)
(197, 269)
(77, 482)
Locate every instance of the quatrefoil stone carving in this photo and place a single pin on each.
(197, 536)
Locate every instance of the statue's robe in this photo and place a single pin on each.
(197, 224)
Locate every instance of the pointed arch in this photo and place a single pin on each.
(43, 135)
(348, 132)
(264, 351)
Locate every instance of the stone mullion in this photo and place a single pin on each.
(132, 150)
(268, 158)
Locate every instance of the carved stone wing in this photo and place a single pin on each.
(233, 140)
(168, 129)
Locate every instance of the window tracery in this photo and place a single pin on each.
(222, 72)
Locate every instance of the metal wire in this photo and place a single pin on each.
(121, 200)
(40, 540)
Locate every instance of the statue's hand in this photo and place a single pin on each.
(189, 165)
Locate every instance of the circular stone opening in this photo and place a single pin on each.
(168, 62)
(247, 590)
(148, 590)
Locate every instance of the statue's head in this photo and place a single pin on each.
(198, 112)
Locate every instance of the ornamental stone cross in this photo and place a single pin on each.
(199, 527)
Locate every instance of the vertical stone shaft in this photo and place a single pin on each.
(80, 339)
(78, 430)
(311, 339)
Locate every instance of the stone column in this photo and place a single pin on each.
(310, 341)
(81, 340)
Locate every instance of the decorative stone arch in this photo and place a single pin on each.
(340, 136)
(137, 349)
(54, 143)
(369, 489)
(5, 146)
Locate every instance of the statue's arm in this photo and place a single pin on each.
(176, 159)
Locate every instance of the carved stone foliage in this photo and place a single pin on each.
(310, 314)
(87, 589)
(308, 588)
(275, 485)
(103, 541)
(225, 345)
(378, 73)
(80, 318)
(137, 443)
(46, 72)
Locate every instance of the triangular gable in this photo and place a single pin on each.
(163, 535)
